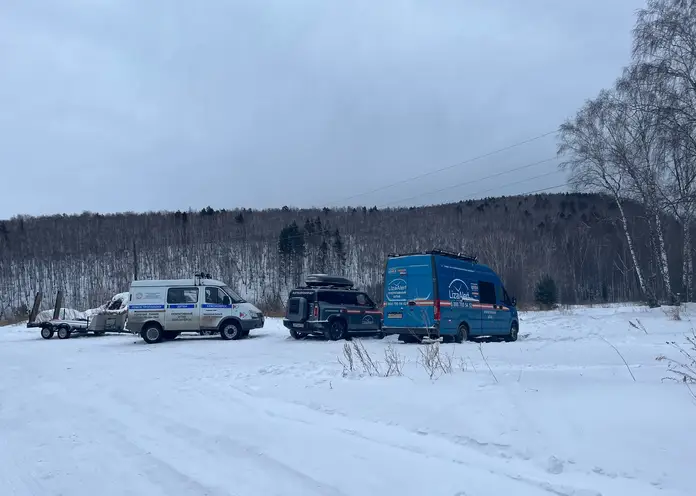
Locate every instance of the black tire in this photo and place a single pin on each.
(462, 334)
(230, 330)
(64, 332)
(297, 335)
(514, 331)
(152, 333)
(380, 335)
(169, 335)
(337, 330)
(47, 332)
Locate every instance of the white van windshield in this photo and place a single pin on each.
(234, 296)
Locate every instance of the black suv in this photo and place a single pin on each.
(330, 306)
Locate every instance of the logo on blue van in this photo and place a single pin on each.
(396, 290)
(459, 291)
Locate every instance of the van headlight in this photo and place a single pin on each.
(256, 315)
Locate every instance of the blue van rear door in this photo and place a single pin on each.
(408, 292)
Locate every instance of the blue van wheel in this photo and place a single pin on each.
(462, 334)
(513, 333)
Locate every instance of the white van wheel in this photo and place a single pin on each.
(230, 331)
(151, 334)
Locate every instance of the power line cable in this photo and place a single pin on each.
(452, 166)
(464, 183)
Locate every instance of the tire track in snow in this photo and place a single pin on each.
(479, 453)
(223, 446)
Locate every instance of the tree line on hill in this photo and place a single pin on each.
(577, 239)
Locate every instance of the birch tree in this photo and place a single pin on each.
(589, 144)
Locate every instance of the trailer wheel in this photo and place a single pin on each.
(151, 334)
(47, 332)
(63, 332)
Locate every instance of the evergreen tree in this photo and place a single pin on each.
(546, 293)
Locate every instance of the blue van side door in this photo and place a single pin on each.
(458, 297)
(490, 318)
(503, 310)
(494, 316)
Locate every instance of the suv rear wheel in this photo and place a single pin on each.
(337, 330)
(297, 335)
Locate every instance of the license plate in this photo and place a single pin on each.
(298, 325)
(395, 315)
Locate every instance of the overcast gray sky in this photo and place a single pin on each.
(113, 105)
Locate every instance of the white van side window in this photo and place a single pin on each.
(214, 295)
(182, 295)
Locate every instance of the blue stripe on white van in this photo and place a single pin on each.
(215, 305)
(146, 307)
(187, 305)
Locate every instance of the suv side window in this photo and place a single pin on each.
(351, 299)
(364, 300)
(487, 292)
(182, 295)
(331, 297)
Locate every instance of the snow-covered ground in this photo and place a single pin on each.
(272, 416)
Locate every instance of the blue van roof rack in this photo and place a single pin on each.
(444, 253)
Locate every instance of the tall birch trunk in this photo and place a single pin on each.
(629, 240)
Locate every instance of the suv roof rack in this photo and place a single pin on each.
(444, 253)
(326, 281)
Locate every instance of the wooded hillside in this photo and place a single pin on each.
(575, 238)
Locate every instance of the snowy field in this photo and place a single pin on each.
(558, 413)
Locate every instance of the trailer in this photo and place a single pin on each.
(106, 319)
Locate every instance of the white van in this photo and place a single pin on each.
(164, 309)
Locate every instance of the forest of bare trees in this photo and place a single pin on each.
(578, 239)
(625, 236)
(637, 141)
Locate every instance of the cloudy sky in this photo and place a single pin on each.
(113, 105)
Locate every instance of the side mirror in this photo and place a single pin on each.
(514, 301)
(226, 300)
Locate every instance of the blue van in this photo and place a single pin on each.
(437, 293)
